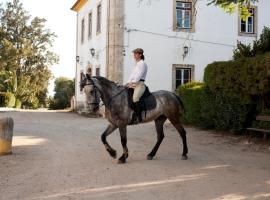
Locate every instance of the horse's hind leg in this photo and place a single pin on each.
(123, 135)
(176, 123)
(104, 135)
(159, 122)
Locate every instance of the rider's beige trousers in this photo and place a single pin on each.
(138, 91)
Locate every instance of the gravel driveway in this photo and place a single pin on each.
(60, 156)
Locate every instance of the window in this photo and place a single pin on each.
(247, 26)
(181, 75)
(89, 25)
(183, 15)
(99, 18)
(97, 71)
(82, 31)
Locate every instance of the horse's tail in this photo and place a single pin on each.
(180, 102)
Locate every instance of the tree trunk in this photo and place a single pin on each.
(6, 134)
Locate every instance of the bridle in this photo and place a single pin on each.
(95, 89)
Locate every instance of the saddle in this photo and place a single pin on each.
(147, 102)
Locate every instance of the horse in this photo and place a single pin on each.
(119, 114)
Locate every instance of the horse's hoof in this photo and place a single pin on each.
(184, 157)
(150, 157)
(113, 154)
(121, 160)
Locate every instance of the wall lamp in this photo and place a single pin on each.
(77, 58)
(185, 51)
(93, 52)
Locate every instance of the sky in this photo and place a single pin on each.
(62, 21)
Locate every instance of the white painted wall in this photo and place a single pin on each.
(98, 42)
(215, 37)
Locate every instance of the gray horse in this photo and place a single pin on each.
(119, 113)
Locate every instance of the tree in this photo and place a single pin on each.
(231, 6)
(64, 89)
(25, 55)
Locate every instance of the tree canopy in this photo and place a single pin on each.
(64, 89)
(231, 6)
(25, 54)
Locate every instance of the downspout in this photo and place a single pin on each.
(76, 64)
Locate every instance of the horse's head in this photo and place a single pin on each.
(91, 91)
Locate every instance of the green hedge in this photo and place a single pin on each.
(244, 78)
(213, 110)
(190, 94)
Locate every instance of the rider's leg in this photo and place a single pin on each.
(138, 92)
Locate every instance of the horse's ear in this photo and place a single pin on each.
(89, 71)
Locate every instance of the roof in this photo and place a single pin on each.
(78, 5)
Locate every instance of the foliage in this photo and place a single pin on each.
(25, 55)
(260, 46)
(7, 99)
(18, 103)
(64, 89)
(230, 6)
(213, 110)
(190, 94)
(244, 78)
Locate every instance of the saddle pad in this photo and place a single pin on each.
(147, 101)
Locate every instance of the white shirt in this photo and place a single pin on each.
(138, 72)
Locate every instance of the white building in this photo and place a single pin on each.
(179, 37)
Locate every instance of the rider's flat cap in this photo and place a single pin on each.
(138, 50)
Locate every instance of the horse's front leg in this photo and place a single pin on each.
(104, 135)
(123, 135)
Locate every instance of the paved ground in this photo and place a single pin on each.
(60, 156)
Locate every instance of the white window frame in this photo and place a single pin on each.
(246, 22)
(99, 18)
(186, 7)
(182, 68)
(254, 28)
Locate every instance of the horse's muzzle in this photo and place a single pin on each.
(93, 107)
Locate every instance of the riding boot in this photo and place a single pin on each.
(138, 111)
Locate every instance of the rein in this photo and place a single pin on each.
(95, 88)
(110, 100)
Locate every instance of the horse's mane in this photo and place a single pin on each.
(107, 83)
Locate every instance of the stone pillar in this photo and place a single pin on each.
(115, 40)
(6, 134)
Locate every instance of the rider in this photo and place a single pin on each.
(136, 80)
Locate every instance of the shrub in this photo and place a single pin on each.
(206, 109)
(18, 103)
(244, 78)
(260, 46)
(7, 99)
(190, 94)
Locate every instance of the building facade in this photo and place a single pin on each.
(179, 37)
